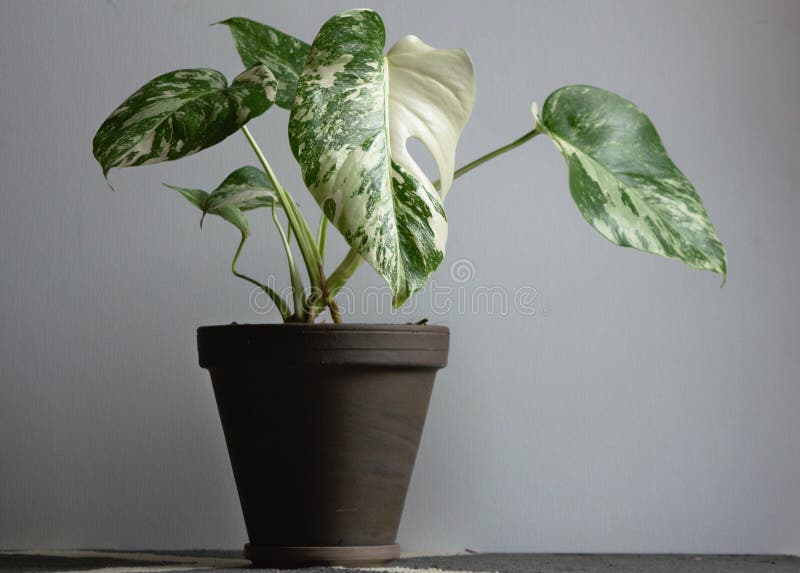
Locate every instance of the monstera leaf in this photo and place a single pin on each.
(353, 113)
(283, 54)
(245, 189)
(181, 113)
(623, 181)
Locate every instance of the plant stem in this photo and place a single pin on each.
(491, 155)
(335, 314)
(322, 232)
(283, 308)
(297, 283)
(305, 240)
(343, 272)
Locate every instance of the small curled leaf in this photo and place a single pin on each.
(245, 189)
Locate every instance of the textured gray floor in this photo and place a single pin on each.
(547, 563)
(41, 563)
(489, 562)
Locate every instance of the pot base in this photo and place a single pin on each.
(286, 557)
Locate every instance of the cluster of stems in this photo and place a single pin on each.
(307, 304)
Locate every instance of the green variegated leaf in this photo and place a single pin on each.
(353, 113)
(623, 181)
(283, 54)
(181, 113)
(230, 213)
(245, 189)
(196, 197)
(235, 217)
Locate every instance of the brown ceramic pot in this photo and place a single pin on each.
(322, 424)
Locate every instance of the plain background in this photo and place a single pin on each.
(641, 408)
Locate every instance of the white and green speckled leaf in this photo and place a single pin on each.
(353, 113)
(623, 181)
(196, 197)
(283, 54)
(232, 214)
(245, 189)
(180, 113)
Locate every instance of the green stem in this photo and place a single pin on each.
(297, 222)
(283, 308)
(335, 314)
(322, 232)
(491, 155)
(343, 272)
(297, 283)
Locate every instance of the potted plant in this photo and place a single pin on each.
(323, 421)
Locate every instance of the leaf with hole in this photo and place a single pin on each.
(353, 113)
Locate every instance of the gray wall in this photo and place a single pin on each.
(641, 408)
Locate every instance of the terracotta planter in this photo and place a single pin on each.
(322, 424)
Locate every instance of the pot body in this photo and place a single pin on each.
(322, 424)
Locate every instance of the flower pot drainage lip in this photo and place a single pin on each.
(306, 556)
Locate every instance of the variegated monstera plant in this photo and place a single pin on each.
(353, 109)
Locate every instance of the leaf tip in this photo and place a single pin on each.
(105, 178)
(105, 169)
(724, 267)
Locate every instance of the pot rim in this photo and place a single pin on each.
(329, 326)
(410, 345)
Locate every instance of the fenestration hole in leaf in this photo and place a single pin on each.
(423, 157)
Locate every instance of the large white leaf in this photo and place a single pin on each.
(353, 113)
(431, 93)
